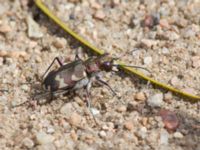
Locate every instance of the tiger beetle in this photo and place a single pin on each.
(76, 75)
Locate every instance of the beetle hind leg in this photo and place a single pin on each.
(55, 59)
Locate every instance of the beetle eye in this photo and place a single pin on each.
(107, 66)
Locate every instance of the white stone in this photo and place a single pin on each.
(142, 133)
(155, 100)
(27, 142)
(95, 111)
(164, 137)
(147, 60)
(178, 135)
(33, 28)
(43, 138)
(67, 109)
(102, 134)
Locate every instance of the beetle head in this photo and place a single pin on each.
(106, 63)
(103, 62)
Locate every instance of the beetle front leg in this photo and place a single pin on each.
(88, 87)
(106, 84)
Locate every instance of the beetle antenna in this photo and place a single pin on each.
(133, 67)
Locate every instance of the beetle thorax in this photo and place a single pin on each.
(92, 67)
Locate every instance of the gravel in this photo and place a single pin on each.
(162, 36)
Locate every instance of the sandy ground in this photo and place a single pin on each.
(162, 36)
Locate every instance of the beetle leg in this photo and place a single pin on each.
(76, 56)
(88, 86)
(55, 59)
(106, 84)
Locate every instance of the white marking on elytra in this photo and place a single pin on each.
(48, 88)
(75, 78)
(61, 81)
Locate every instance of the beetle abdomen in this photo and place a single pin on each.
(65, 78)
(50, 83)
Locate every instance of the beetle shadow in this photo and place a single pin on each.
(43, 97)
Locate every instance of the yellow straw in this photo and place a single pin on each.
(189, 97)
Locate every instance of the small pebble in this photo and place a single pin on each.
(170, 119)
(50, 130)
(95, 111)
(43, 138)
(155, 100)
(95, 5)
(28, 143)
(164, 137)
(38, 59)
(115, 3)
(128, 125)
(181, 22)
(175, 81)
(58, 43)
(75, 119)
(67, 109)
(73, 135)
(48, 146)
(5, 29)
(142, 133)
(150, 21)
(33, 28)
(99, 15)
(190, 91)
(168, 97)
(164, 23)
(102, 134)
(147, 60)
(190, 31)
(140, 96)
(105, 127)
(196, 61)
(13, 54)
(165, 50)
(178, 135)
(121, 109)
(144, 121)
(147, 43)
(172, 35)
(25, 87)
